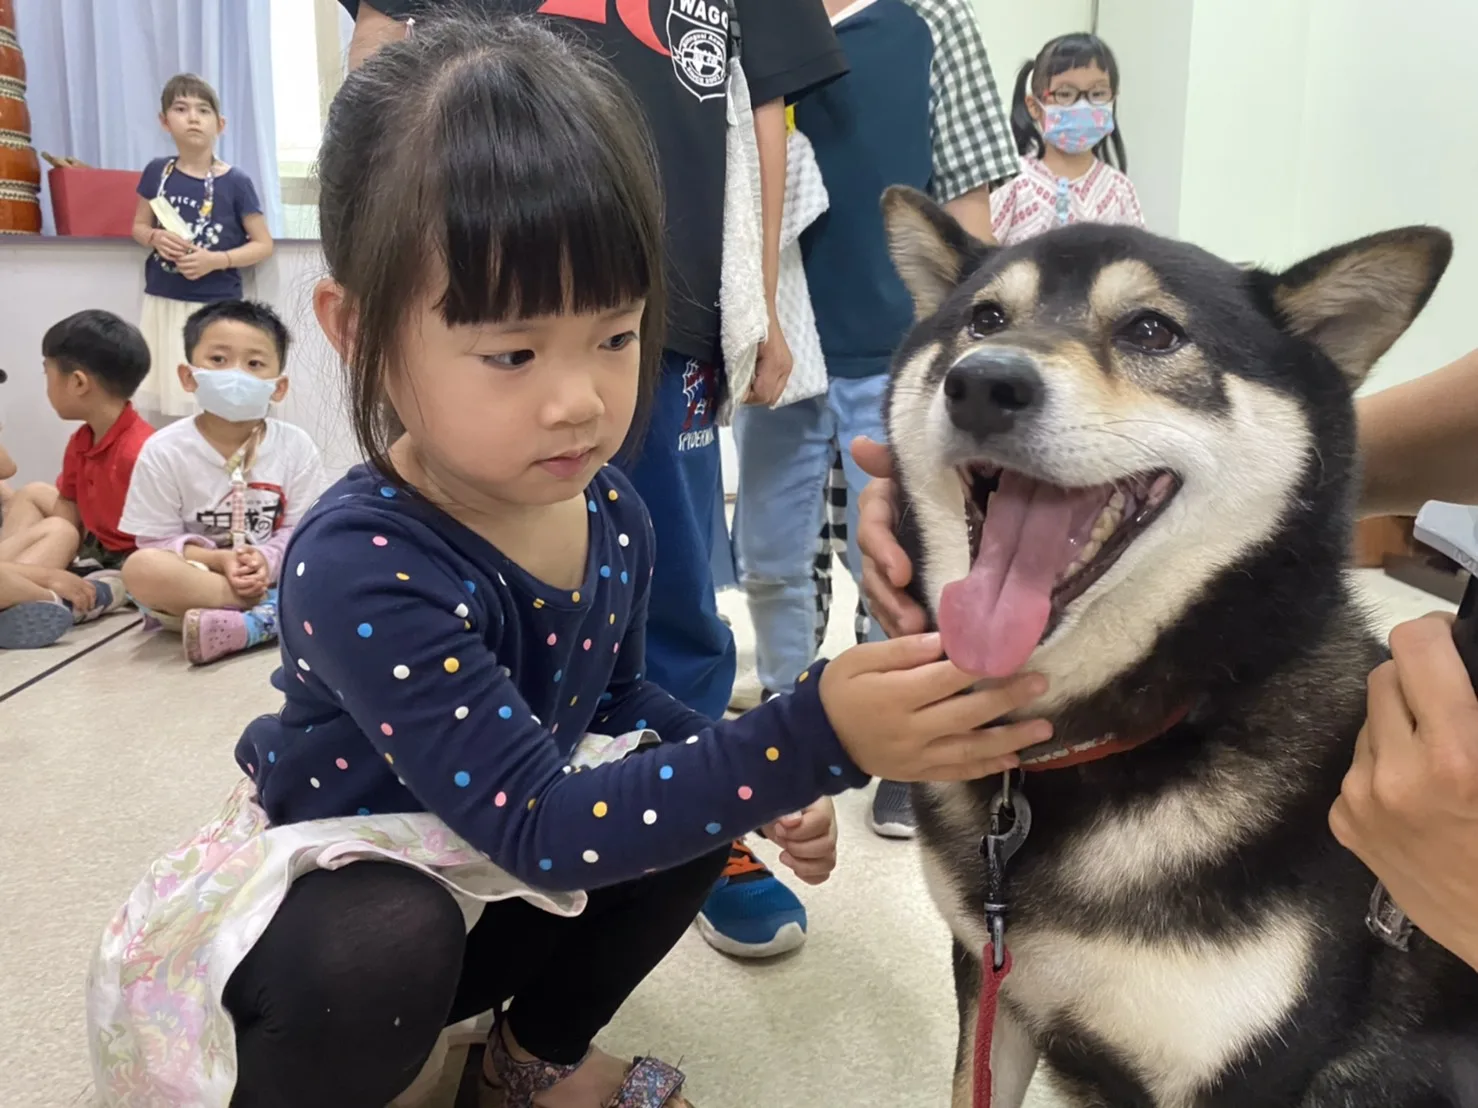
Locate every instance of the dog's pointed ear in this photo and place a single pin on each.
(930, 250)
(1354, 301)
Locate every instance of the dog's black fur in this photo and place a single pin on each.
(1271, 657)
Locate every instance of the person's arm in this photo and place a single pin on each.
(972, 212)
(1408, 808)
(973, 146)
(405, 645)
(143, 224)
(258, 246)
(66, 508)
(772, 370)
(373, 28)
(1419, 441)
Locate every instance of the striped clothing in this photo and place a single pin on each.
(1038, 200)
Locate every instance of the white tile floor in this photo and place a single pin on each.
(115, 757)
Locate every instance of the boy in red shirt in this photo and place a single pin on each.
(94, 363)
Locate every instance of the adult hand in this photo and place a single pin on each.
(197, 263)
(772, 368)
(886, 570)
(170, 246)
(246, 573)
(807, 841)
(1409, 805)
(897, 710)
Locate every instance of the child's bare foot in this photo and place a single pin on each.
(594, 1084)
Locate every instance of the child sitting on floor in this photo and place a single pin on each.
(94, 362)
(215, 498)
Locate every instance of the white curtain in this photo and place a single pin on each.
(95, 69)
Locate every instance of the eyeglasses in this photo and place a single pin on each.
(1065, 96)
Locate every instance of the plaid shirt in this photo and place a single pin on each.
(972, 139)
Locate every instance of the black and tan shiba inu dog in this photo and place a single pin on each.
(1131, 466)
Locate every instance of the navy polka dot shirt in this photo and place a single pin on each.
(423, 671)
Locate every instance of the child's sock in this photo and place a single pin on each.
(261, 621)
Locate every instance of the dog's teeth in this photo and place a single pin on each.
(1086, 555)
(1116, 502)
(1107, 522)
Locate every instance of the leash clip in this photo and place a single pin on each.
(1010, 823)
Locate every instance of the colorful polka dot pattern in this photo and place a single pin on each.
(558, 638)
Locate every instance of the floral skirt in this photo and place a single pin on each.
(158, 1032)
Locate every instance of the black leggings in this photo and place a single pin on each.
(342, 998)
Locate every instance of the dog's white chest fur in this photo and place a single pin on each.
(1177, 1013)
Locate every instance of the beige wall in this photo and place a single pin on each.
(1267, 130)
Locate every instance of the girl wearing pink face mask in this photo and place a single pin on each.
(1072, 154)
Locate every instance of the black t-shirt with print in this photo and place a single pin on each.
(674, 54)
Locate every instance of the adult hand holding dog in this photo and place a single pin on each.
(897, 709)
(1409, 805)
(886, 570)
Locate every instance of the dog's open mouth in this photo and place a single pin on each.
(1034, 549)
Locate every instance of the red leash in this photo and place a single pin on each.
(991, 978)
(985, 1022)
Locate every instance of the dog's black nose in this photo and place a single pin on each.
(988, 390)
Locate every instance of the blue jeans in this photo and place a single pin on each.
(690, 651)
(784, 458)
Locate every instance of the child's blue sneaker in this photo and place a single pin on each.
(34, 624)
(750, 914)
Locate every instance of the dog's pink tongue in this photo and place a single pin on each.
(993, 619)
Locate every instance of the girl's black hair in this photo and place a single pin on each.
(1058, 56)
(508, 158)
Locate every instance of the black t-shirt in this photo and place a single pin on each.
(674, 54)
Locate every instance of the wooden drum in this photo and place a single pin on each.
(20, 169)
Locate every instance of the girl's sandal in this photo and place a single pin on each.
(649, 1083)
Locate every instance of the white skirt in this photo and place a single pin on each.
(158, 1030)
(163, 323)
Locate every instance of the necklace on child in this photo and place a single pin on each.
(208, 204)
(237, 465)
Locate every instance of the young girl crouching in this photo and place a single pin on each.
(470, 795)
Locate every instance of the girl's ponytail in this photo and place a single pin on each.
(1023, 127)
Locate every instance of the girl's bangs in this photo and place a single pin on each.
(541, 216)
(1075, 52)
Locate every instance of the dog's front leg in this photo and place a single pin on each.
(1013, 1055)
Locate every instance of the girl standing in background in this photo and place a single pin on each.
(1072, 154)
(225, 232)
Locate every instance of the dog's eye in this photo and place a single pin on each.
(1151, 333)
(987, 319)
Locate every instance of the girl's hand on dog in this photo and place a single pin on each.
(807, 840)
(897, 709)
(1409, 805)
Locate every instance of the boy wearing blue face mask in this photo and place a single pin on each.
(214, 499)
(1072, 151)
